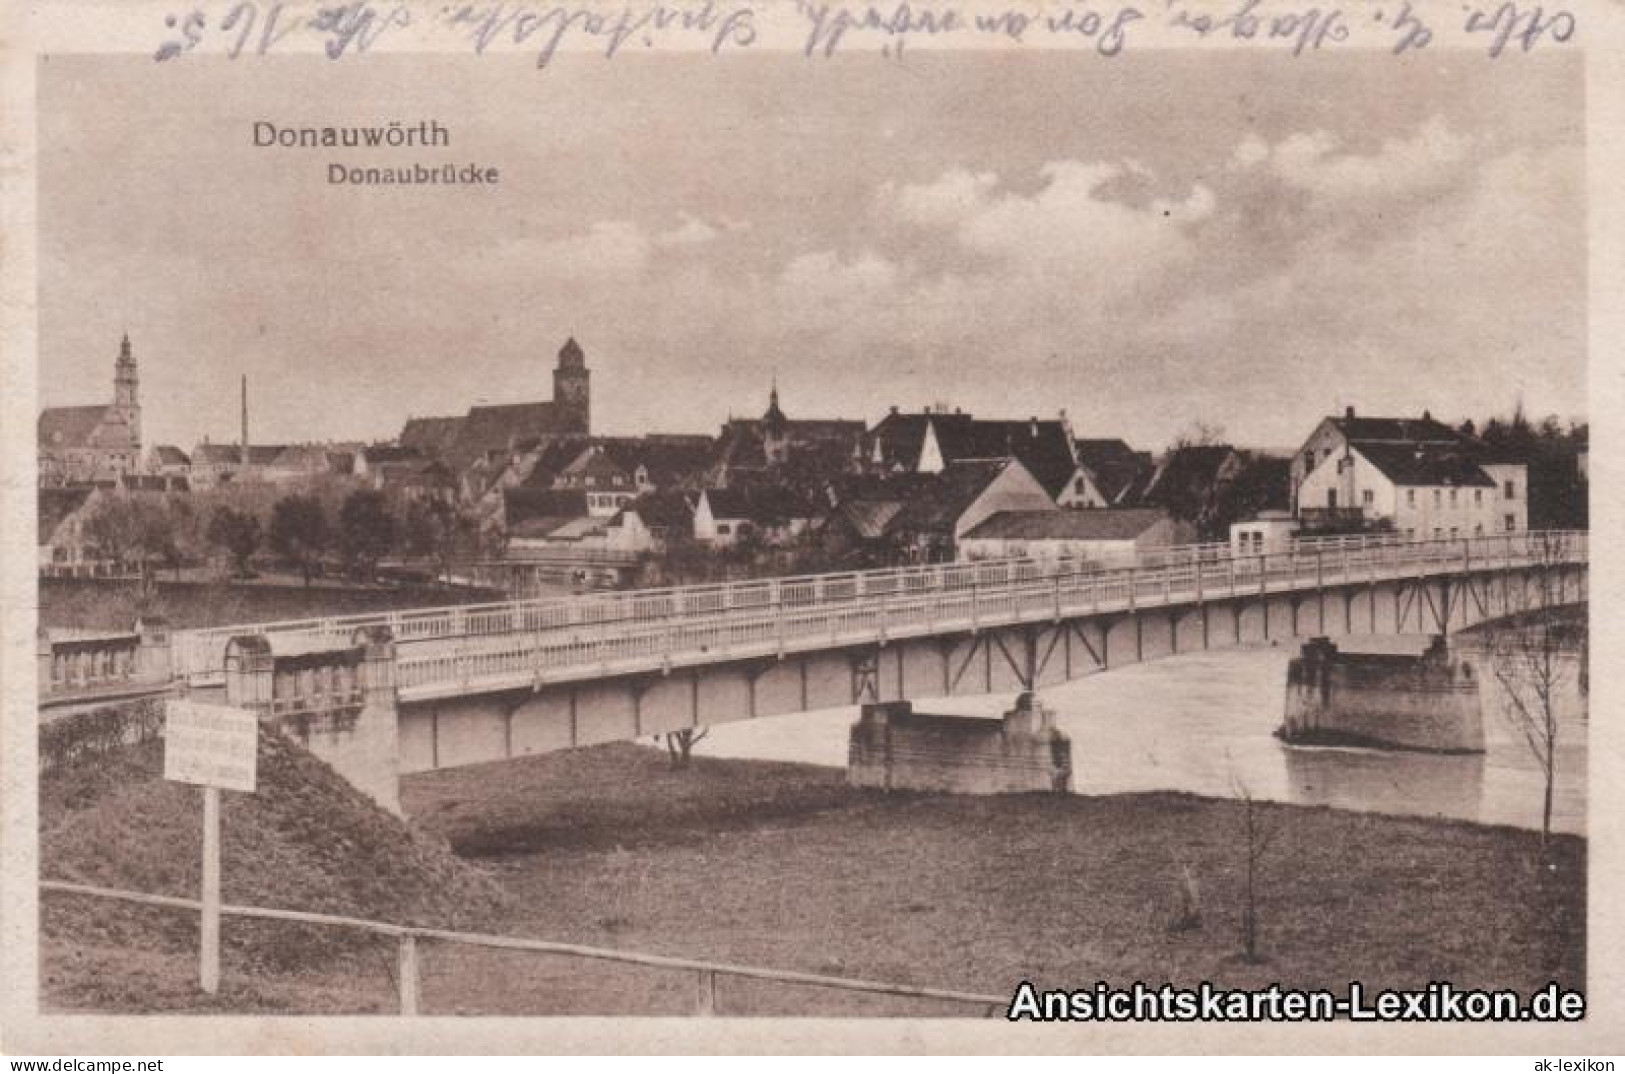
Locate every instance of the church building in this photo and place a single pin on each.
(461, 442)
(80, 444)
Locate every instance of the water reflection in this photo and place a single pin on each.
(1205, 723)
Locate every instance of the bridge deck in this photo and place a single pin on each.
(452, 651)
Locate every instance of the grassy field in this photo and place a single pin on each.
(784, 866)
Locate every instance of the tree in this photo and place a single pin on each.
(680, 744)
(237, 533)
(1258, 832)
(299, 532)
(366, 530)
(435, 529)
(1529, 656)
(133, 530)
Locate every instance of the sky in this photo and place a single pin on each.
(1239, 240)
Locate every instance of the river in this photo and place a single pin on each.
(1205, 723)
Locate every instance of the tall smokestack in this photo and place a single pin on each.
(243, 449)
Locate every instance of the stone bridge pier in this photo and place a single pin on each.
(338, 701)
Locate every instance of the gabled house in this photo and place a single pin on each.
(1112, 468)
(1192, 482)
(1415, 477)
(648, 522)
(722, 516)
(930, 441)
(941, 508)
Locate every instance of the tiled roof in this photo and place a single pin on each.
(1187, 468)
(1042, 446)
(870, 519)
(936, 505)
(662, 510)
(762, 504)
(1425, 465)
(432, 436)
(1396, 430)
(170, 455)
(69, 426)
(378, 453)
(526, 504)
(494, 428)
(1110, 524)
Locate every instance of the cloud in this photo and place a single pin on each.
(610, 249)
(953, 197)
(1315, 161)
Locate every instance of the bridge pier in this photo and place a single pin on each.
(340, 703)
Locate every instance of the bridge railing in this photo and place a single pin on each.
(198, 653)
(475, 661)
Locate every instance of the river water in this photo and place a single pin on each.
(1205, 723)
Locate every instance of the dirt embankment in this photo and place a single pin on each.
(305, 840)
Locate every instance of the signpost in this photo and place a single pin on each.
(215, 746)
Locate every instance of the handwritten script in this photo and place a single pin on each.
(821, 29)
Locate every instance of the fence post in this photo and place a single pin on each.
(409, 975)
(705, 1000)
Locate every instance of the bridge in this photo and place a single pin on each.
(480, 683)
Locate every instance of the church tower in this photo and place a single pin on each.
(126, 409)
(572, 388)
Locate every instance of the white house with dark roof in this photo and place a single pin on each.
(1419, 478)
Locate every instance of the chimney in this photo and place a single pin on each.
(1348, 413)
(1032, 428)
(1427, 415)
(243, 447)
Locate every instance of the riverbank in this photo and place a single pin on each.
(782, 865)
(111, 604)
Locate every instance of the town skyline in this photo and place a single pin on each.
(1399, 241)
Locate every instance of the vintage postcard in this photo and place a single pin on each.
(739, 525)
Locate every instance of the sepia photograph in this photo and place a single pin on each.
(846, 533)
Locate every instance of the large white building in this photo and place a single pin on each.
(1417, 477)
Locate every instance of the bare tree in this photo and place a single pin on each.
(680, 744)
(1529, 654)
(1258, 833)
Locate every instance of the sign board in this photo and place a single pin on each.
(211, 745)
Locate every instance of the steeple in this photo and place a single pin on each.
(572, 388)
(126, 408)
(774, 415)
(126, 379)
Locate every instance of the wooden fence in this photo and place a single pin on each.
(706, 975)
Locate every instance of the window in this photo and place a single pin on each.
(1452, 497)
(1077, 485)
(1410, 533)
(1511, 523)
(1368, 497)
(1454, 533)
(1438, 498)
(1512, 490)
(1478, 529)
(1437, 533)
(723, 529)
(1410, 497)
(1308, 461)
(1478, 495)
